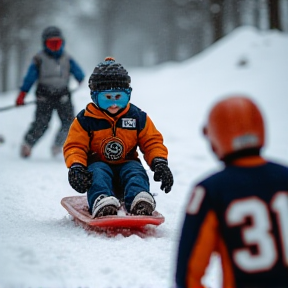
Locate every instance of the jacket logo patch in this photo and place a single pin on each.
(113, 150)
(128, 123)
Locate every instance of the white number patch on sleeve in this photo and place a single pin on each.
(196, 200)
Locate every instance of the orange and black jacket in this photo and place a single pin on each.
(96, 136)
(241, 214)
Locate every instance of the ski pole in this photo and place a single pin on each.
(29, 102)
(15, 106)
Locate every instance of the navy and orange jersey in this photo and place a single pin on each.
(241, 213)
(95, 136)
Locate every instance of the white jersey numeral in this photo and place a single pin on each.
(259, 232)
(280, 207)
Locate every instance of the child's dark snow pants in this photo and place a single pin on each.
(130, 177)
(43, 114)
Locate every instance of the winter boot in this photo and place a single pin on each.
(25, 150)
(143, 204)
(105, 205)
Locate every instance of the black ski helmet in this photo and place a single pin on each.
(109, 75)
(50, 32)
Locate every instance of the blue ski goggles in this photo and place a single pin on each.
(106, 98)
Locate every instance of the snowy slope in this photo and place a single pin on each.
(39, 244)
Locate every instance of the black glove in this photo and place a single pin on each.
(162, 173)
(79, 178)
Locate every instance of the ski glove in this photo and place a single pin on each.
(79, 178)
(20, 98)
(162, 173)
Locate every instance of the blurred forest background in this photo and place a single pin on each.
(137, 33)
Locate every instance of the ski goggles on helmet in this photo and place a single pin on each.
(106, 98)
(54, 43)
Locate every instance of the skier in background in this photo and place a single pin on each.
(51, 68)
(100, 149)
(240, 212)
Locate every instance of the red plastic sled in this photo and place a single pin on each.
(78, 208)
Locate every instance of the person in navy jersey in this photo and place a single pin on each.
(241, 212)
(51, 69)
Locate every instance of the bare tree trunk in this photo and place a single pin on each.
(4, 45)
(108, 25)
(21, 53)
(216, 9)
(236, 13)
(273, 6)
(257, 14)
(4, 68)
(171, 48)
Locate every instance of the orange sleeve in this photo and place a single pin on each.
(76, 146)
(151, 142)
(209, 241)
(203, 248)
(228, 275)
(200, 238)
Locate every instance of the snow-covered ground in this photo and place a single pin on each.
(39, 244)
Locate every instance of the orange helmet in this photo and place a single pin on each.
(234, 124)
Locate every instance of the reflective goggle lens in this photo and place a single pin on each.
(106, 99)
(54, 44)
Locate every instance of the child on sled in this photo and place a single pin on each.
(101, 147)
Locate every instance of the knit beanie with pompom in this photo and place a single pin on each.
(109, 75)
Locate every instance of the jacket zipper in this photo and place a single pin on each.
(114, 130)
